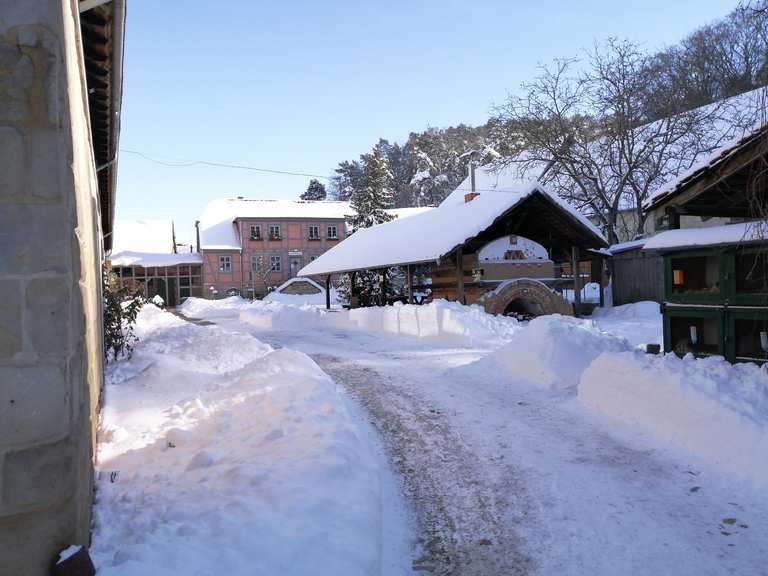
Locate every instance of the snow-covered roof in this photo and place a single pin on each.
(152, 259)
(707, 162)
(744, 232)
(432, 234)
(146, 236)
(626, 246)
(217, 229)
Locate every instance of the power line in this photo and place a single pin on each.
(188, 163)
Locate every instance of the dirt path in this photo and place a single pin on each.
(461, 511)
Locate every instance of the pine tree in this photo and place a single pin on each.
(315, 191)
(374, 194)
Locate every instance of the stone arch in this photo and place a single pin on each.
(527, 296)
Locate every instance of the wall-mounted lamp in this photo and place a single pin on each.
(694, 334)
(764, 341)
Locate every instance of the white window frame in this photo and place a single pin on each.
(256, 262)
(279, 234)
(225, 263)
(335, 235)
(316, 229)
(275, 263)
(254, 232)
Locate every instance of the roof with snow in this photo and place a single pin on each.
(147, 243)
(716, 184)
(730, 234)
(627, 246)
(519, 207)
(147, 236)
(217, 223)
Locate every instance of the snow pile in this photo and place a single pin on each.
(639, 323)
(439, 318)
(224, 456)
(206, 309)
(552, 352)
(273, 315)
(709, 408)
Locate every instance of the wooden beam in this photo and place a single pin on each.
(409, 281)
(576, 279)
(460, 275)
(327, 291)
(383, 299)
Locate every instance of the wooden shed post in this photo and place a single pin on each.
(460, 275)
(576, 279)
(409, 282)
(352, 289)
(384, 287)
(327, 291)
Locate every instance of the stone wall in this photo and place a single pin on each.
(50, 296)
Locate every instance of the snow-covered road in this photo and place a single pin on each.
(510, 479)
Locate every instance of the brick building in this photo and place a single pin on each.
(250, 246)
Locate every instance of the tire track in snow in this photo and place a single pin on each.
(462, 513)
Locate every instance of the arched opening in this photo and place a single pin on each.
(524, 308)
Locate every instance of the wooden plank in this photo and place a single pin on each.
(576, 273)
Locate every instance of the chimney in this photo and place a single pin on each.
(469, 196)
(197, 235)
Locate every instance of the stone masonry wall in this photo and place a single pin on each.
(50, 318)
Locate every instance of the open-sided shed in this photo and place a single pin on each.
(450, 237)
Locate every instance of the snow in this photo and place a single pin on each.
(428, 236)
(152, 259)
(439, 320)
(626, 246)
(718, 155)
(527, 439)
(218, 231)
(497, 249)
(145, 236)
(639, 323)
(317, 299)
(552, 351)
(708, 408)
(217, 223)
(68, 552)
(711, 236)
(206, 309)
(221, 455)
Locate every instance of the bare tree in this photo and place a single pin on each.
(586, 122)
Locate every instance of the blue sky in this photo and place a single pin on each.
(303, 85)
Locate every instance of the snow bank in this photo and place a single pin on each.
(206, 309)
(471, 324)
(552, 352)
(440, 318)
(639, 323)
(272, 315)
(220, 455)
(709, 408)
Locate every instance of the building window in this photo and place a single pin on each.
(255, 263)
(333, 233)
(274, 232)
(255, 232)
(225, 264)
(314, 232)
(275, 263)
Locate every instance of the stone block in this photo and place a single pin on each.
(12, 163)
(11, 329)
(47, 316)
(45, 165)
(34, 238)
(37, 477)
(34, 404)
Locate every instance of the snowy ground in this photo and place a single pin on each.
(219, 455)
(512, 443)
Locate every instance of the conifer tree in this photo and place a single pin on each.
(315, 191)
(374, 195)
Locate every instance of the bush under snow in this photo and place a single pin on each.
(708, 407)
